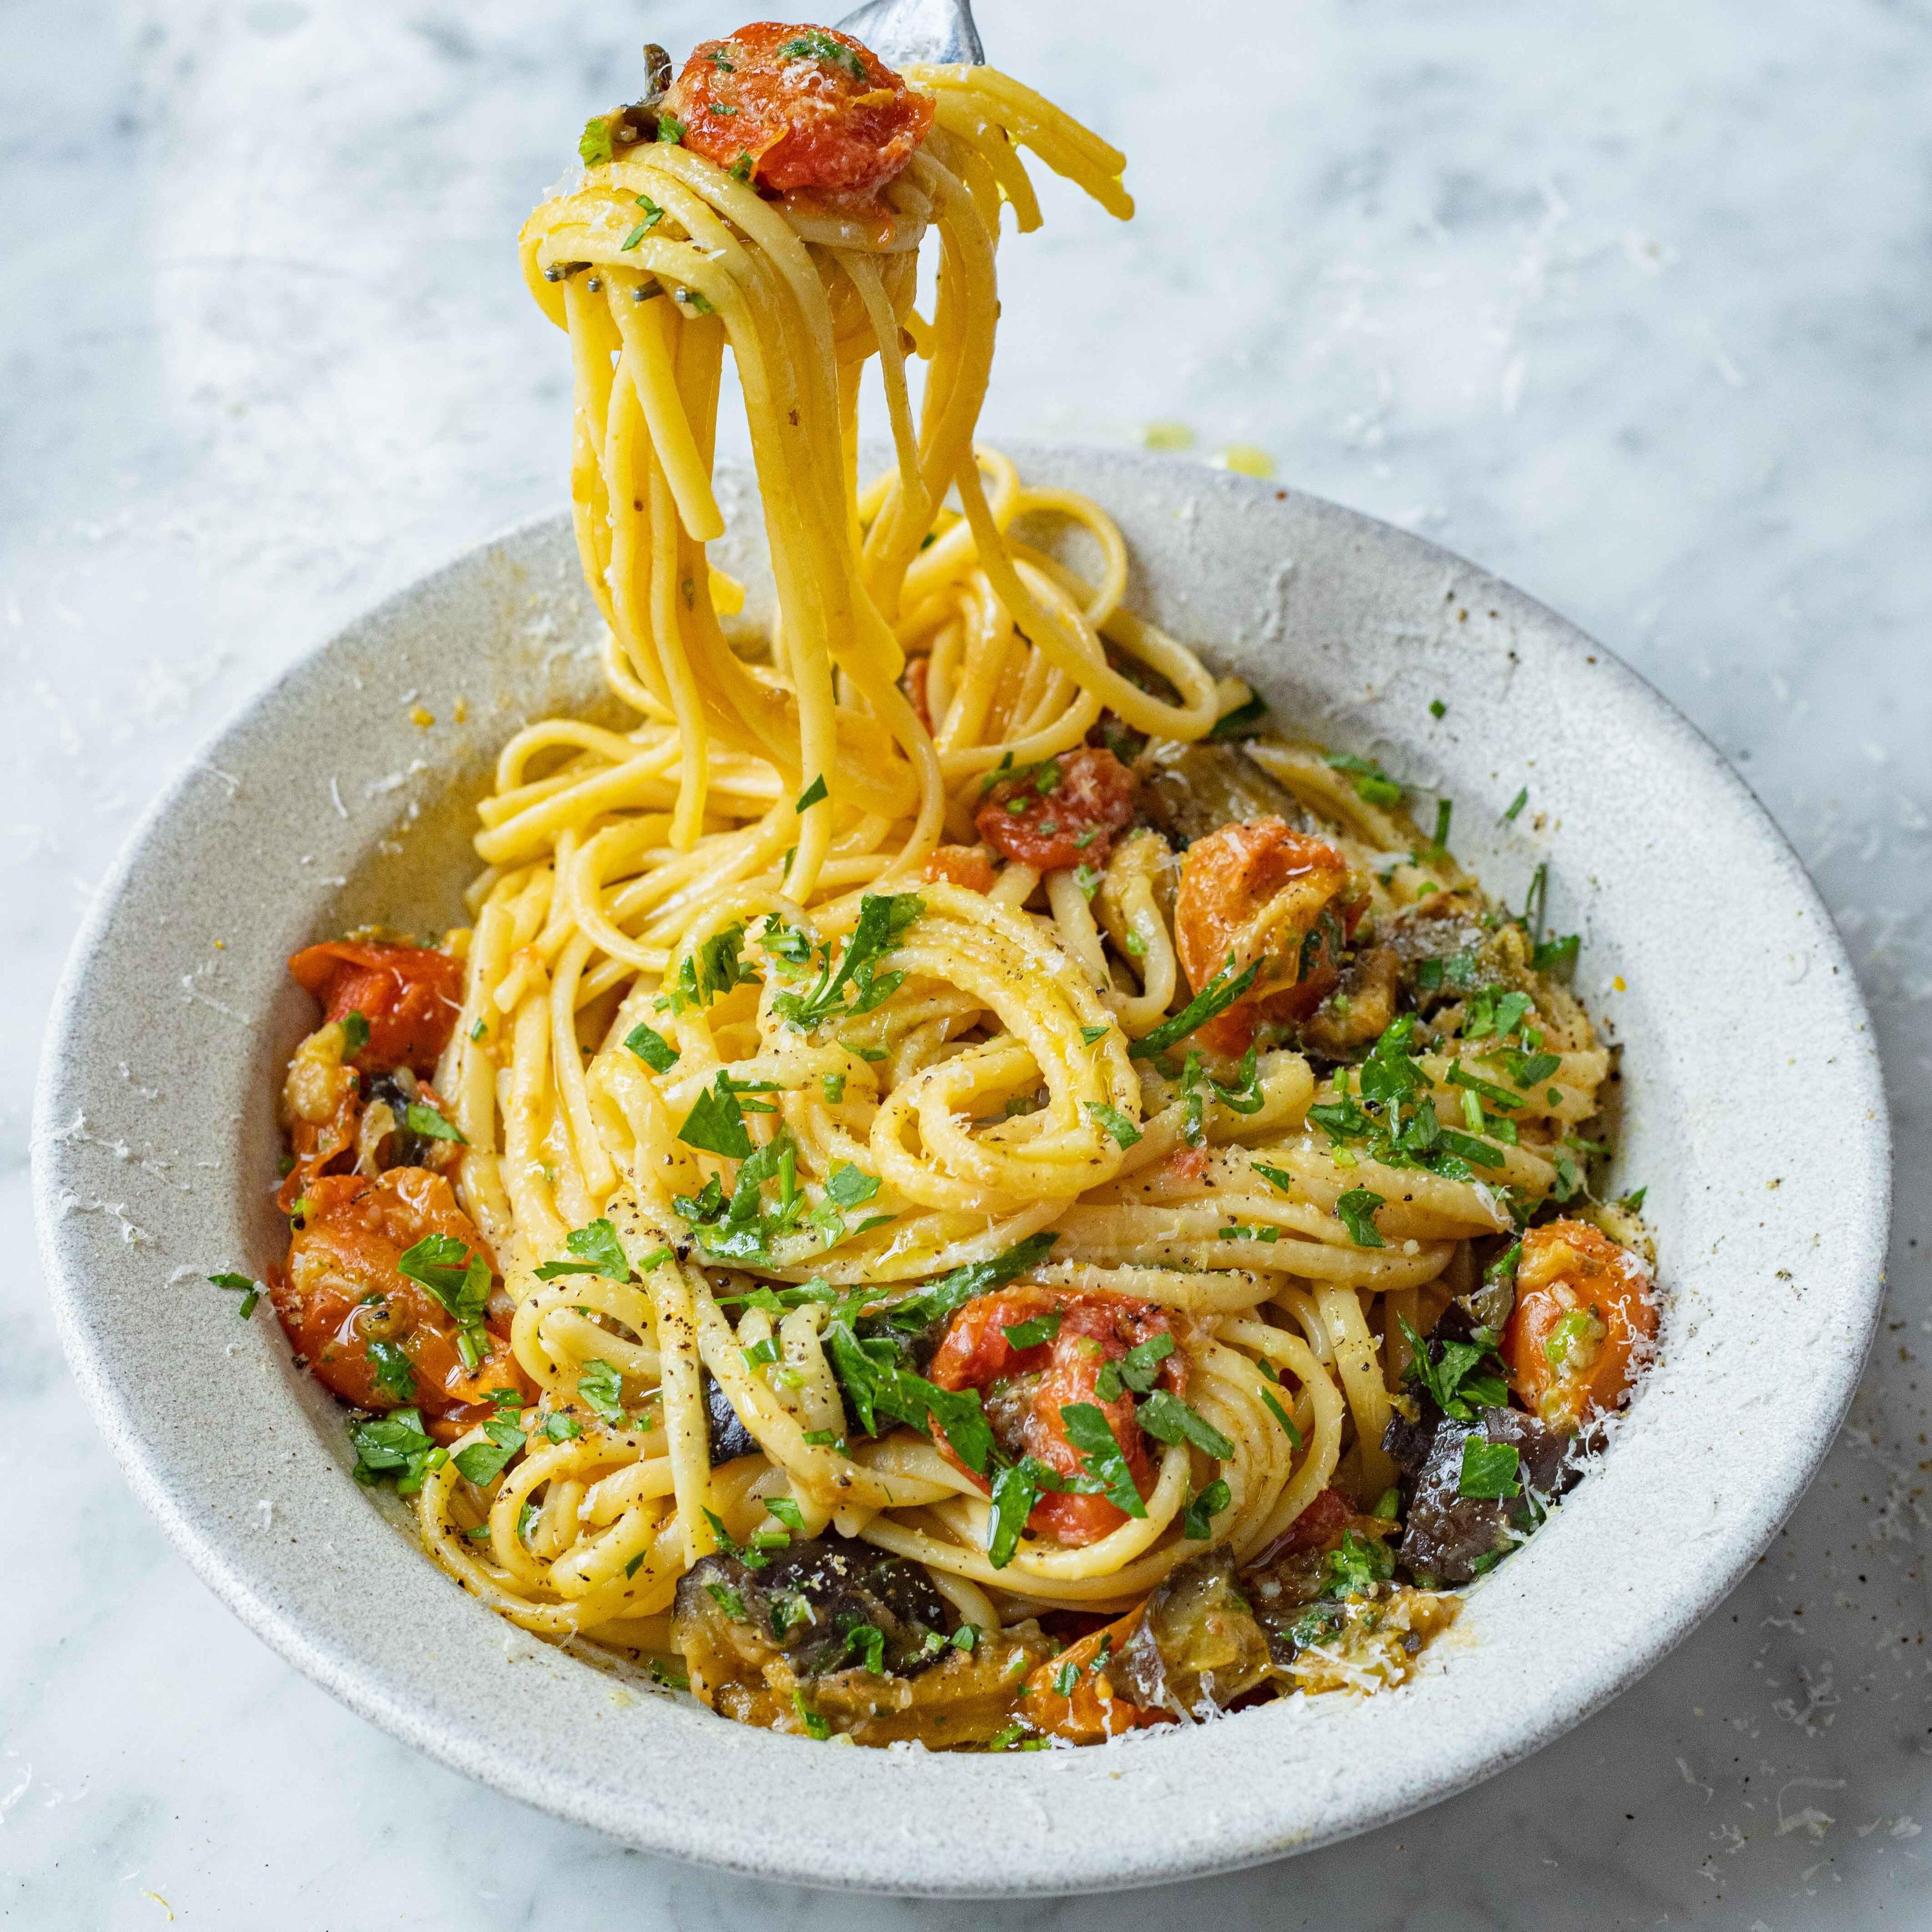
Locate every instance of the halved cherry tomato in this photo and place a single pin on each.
(1026, 1388)
(967, 866)
(1260, 891)
(410, 995)
(798, 107)
(1582, 1305)
(343, 1291)
(1092, 1710)
(1060, 812)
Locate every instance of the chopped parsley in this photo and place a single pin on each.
(870, 1641)
(850, 1186)
(1033, 1333)
(394, 1375)
(459, 1279)
(598, 1251)
(355, 1033)
(1089, 1431)
(1090, 1035)
(670, 130)
(1460, 1377)
(1392, 1114)
(814, 794)
(871, 1371)
(1489, 1471)
(398, 1445)
(1281, 1416)
(1137, 1369)
(716, 1121)
(1168, 1419)
(600, 1387)
(651, 1048)
(1373, 785)
(1557, 957)
(857, 985)
(1017, 1488)
(1357, 1563)
(787, 1512)
(1197, 1521)
(482, 1463)
(593, 145)
(1244, 721)
(246, 1286)
(1216, 997)
(1356, 1211)
(815, 43)
(1491, 1010)
(1117, 1123)
(1515, 805)
(716, 967)
(427, 1124)
(742, 1229)
(929, 1305)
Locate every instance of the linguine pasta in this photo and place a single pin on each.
(774, 1072)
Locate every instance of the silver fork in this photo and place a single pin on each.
(938, 32)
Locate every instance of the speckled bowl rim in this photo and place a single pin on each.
(1733, 1425)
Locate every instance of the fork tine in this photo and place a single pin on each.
(939, 32)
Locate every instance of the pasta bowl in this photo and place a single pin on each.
(330, 802)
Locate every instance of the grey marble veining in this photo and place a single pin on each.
(1627, 303)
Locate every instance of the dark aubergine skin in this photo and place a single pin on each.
(1197, 1643)
(729, 1437)
(1209, 786)
(846, 1583)
(396, 1090)
(1438, 927)
(1448, 1534)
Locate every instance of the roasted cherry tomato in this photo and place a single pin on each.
(1582, 1305)
(1062, 811)
(798, 107)
(1024, 1387)
(377, 1338)
(321, 1110)
(1260, 891)
(1090, 1709)
(410, 995)
(967, 866)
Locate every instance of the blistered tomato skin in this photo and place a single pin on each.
(1062, 812)
(798, 109)
(343, 1291)
(1262, 892)
(1583, 1307)
(410, 995)
(1029, 1388)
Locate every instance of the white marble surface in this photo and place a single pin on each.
(1626, 302)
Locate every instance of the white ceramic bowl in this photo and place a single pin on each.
(1755, 1115)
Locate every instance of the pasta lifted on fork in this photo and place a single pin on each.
(970, 1190)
